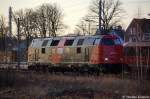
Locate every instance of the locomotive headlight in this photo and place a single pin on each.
(121, 59)
(106, 59)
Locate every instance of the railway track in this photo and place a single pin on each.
(24, 69)
(67, 73)
(22, 65)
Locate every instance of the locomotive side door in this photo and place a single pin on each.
(86, 54)
(36, 54)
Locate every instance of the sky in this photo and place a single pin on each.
(74, 10)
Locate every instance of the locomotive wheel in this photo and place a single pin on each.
(103, 69)
(83, 70)
(30, 67)
(45, 68)
(125, 69)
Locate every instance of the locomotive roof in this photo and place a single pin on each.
(137, 44)
(85, 40)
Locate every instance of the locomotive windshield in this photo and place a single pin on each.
(118, 41)
(107, 41)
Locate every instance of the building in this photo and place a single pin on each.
(7, 54)
(138, 30)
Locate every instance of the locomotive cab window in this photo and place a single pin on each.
(78, 50)
(43, 51)
(107, 41)
(69, 42)
(117, 41)
(80, 42)
(97, 41)
(45, 43)
(54, 42)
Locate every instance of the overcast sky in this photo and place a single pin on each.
(74, 10)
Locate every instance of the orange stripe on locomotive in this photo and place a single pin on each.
(109, 52)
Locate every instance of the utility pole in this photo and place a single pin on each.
(89, 27)
(5, 42)
(43, 24)
(83, 28)
(10, 21)
(100, 16)
(18, 43)
(28, 37)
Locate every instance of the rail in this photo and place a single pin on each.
(13, 65)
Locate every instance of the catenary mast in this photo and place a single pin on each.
(100, 16)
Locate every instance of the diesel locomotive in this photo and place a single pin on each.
(100, 53)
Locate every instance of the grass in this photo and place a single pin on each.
(25, 85)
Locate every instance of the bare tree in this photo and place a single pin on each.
(50, 19)
(87, 25)
(55, 20)
(77, 31)
(81, 28)
(3, 27)
(3, 31)
(111, 12)
(28, 23)
(41, 21)
(44, 20)
(20, 14)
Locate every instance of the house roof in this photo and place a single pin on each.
(143, 23)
